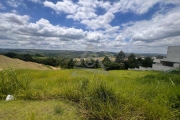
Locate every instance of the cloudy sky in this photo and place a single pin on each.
(110, 25)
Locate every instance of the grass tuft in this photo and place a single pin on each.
(11, 83)
(58, 109)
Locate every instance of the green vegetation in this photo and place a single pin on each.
(66, 62)
(55, 53)
(120, 57)
(38, 110)
(6, 62)
(121, 61)
(34, 58)
(146, 95)
(10, 83)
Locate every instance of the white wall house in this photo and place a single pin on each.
(170, 62)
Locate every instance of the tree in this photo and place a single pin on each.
(120, 57)
(159, 57)
(106, 60)
(113, 66)
(26, 57)
(50, 61)
(147, 62)
(38, 55)
(132, 57)
(97, 65)
(70, 64)
(11, 55)
(132, 61)
(121, 65)
(139, 62)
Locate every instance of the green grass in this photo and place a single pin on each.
(6, 62)
(40, 58)
(38, 110)
(135, 95)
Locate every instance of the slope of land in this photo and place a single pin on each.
(97, 95)
(6, 62)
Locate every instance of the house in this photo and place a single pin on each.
(172, 60)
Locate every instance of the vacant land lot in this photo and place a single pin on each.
(92, 94)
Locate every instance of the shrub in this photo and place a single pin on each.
(100, 103)
(175, 71)
(11, 83)
(171, 77)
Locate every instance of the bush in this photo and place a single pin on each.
(172, 77)
(100, 102)
(175, 71)
(11, 83)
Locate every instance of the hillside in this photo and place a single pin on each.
(6, 62)
(90, 94)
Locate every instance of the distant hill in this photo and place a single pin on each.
(6, 62)
(56, 53)
(71, 53)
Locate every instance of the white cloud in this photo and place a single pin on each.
(17, 31)
(137, 6)
(36, 1)
(141, 36)
(13, 19)
(2, 7)
(112, 30)
(153, 35)
(101, 21)
(66, 6)
(159, 27)
(15, 3)
(119, 38)
(12, 3)
(94, 37)
(176, 2)
(14, 11)
(85, 10)
(106, 5)
(159, 46)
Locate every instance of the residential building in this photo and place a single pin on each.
(172, 60)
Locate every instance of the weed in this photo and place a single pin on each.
(58, 110)
(84, 84)
(10, 83)
(32, 116)
(142, 95)
(174, 71)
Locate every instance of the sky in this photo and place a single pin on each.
(134, 26)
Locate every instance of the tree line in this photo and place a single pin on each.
(121, 62)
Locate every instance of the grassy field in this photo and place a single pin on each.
(6, 62)
(91, 94)
(38, 110)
